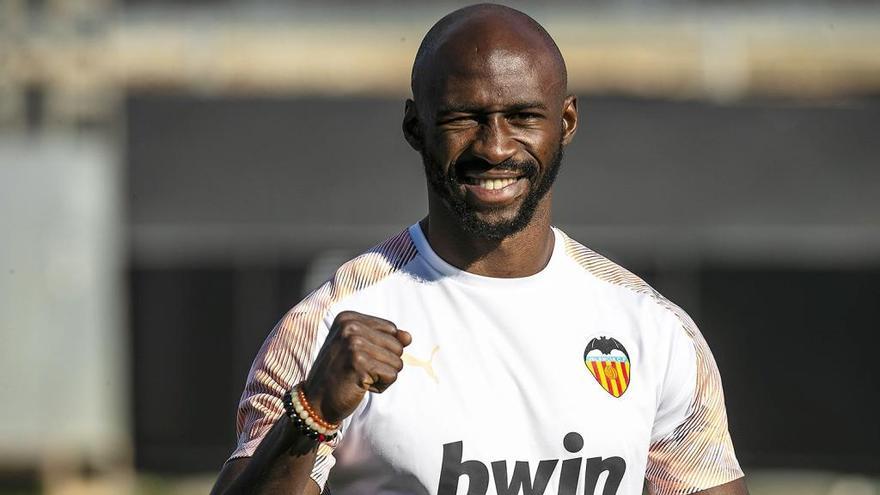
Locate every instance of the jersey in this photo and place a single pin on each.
(579, 379)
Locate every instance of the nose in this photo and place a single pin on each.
(494, 143)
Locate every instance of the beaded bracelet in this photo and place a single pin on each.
(310, 412)
(305, 419)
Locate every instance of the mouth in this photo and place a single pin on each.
(493, 192)
(490, 183)
(493, 186)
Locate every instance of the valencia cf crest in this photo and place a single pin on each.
(608, 362)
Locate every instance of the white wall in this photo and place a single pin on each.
(63, 364)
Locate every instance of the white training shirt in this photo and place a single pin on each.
(580, 379)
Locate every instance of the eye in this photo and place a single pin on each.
(524, 117)
(459, 121)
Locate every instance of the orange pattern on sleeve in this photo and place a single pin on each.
(285, 357)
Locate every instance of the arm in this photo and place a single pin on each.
(691, 449)
(735, 487)
(281, 464)
(361, 354)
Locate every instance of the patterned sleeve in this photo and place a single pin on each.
(691, 449)
(286, 356)
(282, 362)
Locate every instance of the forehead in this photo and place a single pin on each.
(492, 78)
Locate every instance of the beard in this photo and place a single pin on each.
(447, 186)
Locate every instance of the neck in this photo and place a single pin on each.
(522, 254)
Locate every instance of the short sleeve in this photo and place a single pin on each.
(691, 449)
(283, 361)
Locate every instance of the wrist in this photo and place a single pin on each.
(305, 419)
(315, 398)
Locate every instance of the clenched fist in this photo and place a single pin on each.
(362, 353)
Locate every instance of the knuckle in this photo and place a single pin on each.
(346, 315)
(381, 323)
(342, 317)
(355, 342)
(349, 330)
(360, 360)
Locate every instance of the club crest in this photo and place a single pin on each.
(608, 362)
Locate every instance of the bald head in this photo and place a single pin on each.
(476, 38)
(490, 107)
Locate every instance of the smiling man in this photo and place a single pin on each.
(481, 350)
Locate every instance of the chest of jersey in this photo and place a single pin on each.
(538, 390)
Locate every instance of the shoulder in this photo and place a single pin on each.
(630, 289)
(602, 268)
(375, 264)
(361, 272)
(612, 275)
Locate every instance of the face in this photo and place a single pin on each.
(491, 137)
(488, 207)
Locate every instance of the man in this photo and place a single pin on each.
(481, 350)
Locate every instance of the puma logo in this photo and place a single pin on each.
(426, 365)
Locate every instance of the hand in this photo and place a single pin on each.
(362, 353)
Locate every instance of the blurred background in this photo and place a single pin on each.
(175, 175)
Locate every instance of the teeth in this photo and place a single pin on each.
(492, 184)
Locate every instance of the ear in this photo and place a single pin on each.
(569, 119)
(412, 129)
